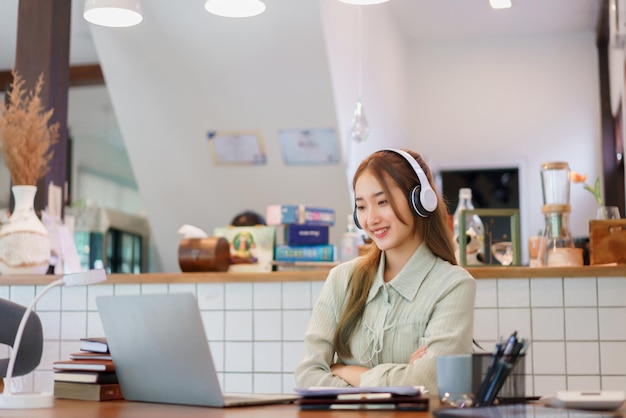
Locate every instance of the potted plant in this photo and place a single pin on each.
(26, 138)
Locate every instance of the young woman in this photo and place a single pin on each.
(383, 318)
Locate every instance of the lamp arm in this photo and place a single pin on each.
(20, 331)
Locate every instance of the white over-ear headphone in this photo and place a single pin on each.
(422, 197)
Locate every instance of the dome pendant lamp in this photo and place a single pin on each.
(363, 2)
(113, 13)
(235, 8)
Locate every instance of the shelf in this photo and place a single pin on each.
(320, 275)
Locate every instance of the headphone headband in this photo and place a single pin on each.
(424, 198)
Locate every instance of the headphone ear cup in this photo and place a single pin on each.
(356, 219)
(416, 203)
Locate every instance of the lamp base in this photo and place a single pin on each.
(26, 400)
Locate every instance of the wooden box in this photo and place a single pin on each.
(204, 254)
(607, 241)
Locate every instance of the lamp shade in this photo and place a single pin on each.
(113, 13)
(10, 399)
(235, 8)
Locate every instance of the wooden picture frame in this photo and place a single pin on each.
(500, 225)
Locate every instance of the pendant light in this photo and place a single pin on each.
(500, 4)
(360, 128)
(235, 8)
(363, 2)
(113, 13)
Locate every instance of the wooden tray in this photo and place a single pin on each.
(607, 241)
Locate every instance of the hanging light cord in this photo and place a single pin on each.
(359, 53)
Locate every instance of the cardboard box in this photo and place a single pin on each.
(305, 253)
(299, 214)
(251, 247)
(298, 234)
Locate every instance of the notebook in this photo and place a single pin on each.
(161, 353)
(520, 411)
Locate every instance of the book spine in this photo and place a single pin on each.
(85, 377)
(87, 391)
(317, 216)
(296, 234)
(304, 253)
(110, 392)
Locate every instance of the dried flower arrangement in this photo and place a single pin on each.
(26, 136)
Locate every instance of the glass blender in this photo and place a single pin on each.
(559, 244)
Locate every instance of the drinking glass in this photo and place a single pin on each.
(536, 247)
(608, 212)
(503, 252)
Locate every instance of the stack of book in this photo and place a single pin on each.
(306, 235)
(88, 374)
(399, 398)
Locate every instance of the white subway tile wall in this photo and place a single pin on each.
(576, 326)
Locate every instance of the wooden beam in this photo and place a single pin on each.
(43, 47)
(612, 130)
(80, 75)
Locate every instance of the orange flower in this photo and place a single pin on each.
(576, 177)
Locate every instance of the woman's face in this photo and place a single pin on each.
(377, 217)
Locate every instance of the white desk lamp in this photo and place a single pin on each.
(10, 400)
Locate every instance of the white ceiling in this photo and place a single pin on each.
(420, 20)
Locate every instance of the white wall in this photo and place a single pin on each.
(375, 48)
(248, 77)
(503, 102)
(518, 101)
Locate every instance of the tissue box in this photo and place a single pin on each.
(251, 247)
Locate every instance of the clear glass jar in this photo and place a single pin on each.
(555, 183)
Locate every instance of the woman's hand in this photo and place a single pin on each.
(351, 374)
(417, 354)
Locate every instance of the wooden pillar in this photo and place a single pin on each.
(43, 46)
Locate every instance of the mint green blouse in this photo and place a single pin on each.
(430, 302)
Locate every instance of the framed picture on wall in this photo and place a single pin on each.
(309, 146)
(237, 147)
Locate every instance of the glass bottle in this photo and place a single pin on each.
(474, 231)
(350, 241)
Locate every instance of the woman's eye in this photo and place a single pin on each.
(360, 207)
(382, 202)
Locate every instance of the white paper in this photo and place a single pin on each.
(190, 231)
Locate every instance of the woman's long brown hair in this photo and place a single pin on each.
(388, 166)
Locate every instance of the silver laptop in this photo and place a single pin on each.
(161, 353)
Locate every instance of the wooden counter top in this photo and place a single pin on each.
(320, 275)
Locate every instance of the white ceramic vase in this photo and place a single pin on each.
(24, 239)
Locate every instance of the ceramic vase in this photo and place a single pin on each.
(24, 239)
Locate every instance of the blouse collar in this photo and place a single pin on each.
(410, 278)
